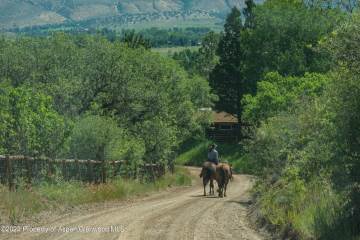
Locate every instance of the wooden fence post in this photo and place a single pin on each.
(3, 180)
(50, 168)
(152, 172)
(28, 170)
(9, 173)
(103, 171)
(136, 174)
(78, 169)
(64, 170)
(114, 169)
(89, 171)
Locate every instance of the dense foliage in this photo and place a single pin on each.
(285, 36)
(118, 101)
(277, 93)
(305, 146)
(28, 123)
(203, 61)
(257, 41)
(227, 78)
(156, 37)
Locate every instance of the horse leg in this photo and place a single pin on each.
(225, 186)
(211, 187)
(205, 182)
(220, 190)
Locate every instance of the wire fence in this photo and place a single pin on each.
(29, 170)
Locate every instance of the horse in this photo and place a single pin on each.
(223, 176)
(208, 174)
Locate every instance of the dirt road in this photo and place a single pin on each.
(179, 214)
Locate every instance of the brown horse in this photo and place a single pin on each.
(223, 176)
(208, 174)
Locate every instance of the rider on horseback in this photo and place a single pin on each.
(208, 171)
(213, 155)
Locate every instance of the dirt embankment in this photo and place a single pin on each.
(176, 214)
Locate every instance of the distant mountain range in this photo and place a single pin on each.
(25, 13)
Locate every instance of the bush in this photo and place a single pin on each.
(100, 138)
(19, 205)
(28, 123)
(315, 141)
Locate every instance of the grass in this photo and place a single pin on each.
(194, 153)
(19, 205)
(171, 50)
(304, 210)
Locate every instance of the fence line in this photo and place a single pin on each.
(93, 171)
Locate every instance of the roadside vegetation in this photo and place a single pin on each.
(25, 204)
(84, 97)
(306, 151)
(290, 70)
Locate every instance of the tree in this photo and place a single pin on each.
(345, 102)
(203, 61)
(188, 60)
(207, 59)
(276, 93)
(28, 123)
(135, 40)
(290, 49)
(249, 14)
(89, 75)
(227, 78)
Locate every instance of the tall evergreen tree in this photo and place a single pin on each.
(249, 13)
(227, 79)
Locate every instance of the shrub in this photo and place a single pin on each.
(28, 123)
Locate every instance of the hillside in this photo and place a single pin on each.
(24, 13)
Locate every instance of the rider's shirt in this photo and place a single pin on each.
(213, 156)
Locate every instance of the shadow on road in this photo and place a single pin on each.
(202, 196)
(245, 203)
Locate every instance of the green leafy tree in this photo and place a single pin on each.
(90, 75)
(344, 97)
(227, 78)
(188, 60)
(203, 61)
(29, 124)
(249, 14)
(207, 58)
(135, 40)
(311, 146)
(290, 49)
(276, 93)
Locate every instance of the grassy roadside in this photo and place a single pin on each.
(19, 205)
(302, 210)
(194, 153)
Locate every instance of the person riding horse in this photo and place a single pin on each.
(213, 155)
(208, 172)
